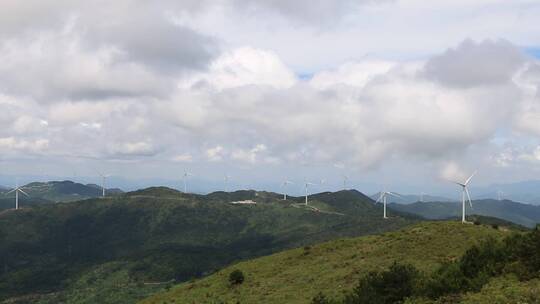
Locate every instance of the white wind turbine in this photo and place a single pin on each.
(465, 192)
(345, 180)
(17, 189)
(185, 177)
(306, 185)
(500, 194)
(284, 185)
(422, 196)
(226, 180)
(103, 180)
(382, 198)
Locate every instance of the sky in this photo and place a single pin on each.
(402, 95)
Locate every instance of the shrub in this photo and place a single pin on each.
(391, 286)
(236, 277)
(320, 298)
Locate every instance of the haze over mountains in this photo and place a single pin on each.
(523, 214)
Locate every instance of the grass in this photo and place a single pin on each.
(296, 276)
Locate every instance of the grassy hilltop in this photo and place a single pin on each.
(296, 276)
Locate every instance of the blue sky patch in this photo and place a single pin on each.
(533, 51)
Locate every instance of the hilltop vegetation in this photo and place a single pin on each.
(515, 257)
(121, 249)
(523, 214)
(298, 275)
(51, 192)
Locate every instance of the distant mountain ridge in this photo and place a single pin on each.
(411, 198)
(519, 213)
(524, 192)
(53, 192)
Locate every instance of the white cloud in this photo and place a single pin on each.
(215, 154)
(249, 156)
(109, 90)
(12, 143)
(355, 74)
(472, 64)
(244, 66)
(183, 158)
(140, 148)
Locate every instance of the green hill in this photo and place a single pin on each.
(296, 276)
(123, 248)
(52, 192)
(523, 214)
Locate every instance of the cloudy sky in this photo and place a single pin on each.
(398, 93)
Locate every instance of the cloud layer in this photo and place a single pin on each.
(140, 82)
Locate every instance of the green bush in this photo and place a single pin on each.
(236, 277)
(387, 287)
(320, 298)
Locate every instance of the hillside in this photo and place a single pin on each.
(53, 191)
(411, 198)
(523, 214)
(113, 250)
(296, 276)
(524, 191)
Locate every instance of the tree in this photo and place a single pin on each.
(387, 287)
(236, 277)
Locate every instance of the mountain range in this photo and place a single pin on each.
(410, 198)
(525, 192)
(53, 192)
(146, 239)
(523, 214)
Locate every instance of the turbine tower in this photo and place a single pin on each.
(284, 185)
(382, 198)
(345, 180)
(17, 189)
(185, 177)
(103, 180)
(500, 194)
(422, 196)
(306, 185)
(465, 192)
(226, 180)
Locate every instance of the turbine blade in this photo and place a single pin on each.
(470, 177)
(394, 194)
(381, 194)
(469, 197)
(460, 184)
(19, 189)
(12, 190)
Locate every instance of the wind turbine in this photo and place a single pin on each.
(422, 196)
(17, 190)
(345, 180)
(306, 185)
(185, 176)
(500, 194)
(382, 198)
(226, 180)
(103, 179)
(465, 191)
(284, 185)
